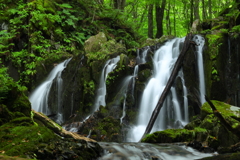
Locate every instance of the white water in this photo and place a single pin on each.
(185, 100)
(39, 97)
(200, 43)
(101, 92)
(170, 114)
(147, 151)
(141, 58)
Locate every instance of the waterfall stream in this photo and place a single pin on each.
(200, 43)
(39, 97)
(101, 92)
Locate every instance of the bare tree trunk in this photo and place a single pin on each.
(171, 79)
(191, 14)
(119, 4)
(196, 10)
(168, 20)
(203, 10)
(150, 21)
(174, 18)
(210, 8)
(159, 17)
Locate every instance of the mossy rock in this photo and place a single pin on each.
(22, 140)
(225, 109)
(94, 43)
(175, 135)
(152, 42)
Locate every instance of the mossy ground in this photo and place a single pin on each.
(23, 140)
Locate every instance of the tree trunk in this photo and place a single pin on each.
(174, 18)
(191, 14)
(168, 20)
(171, 79)
(196, 10)
(210, 9)
(150, 21)
(203, 10)
(159, 18)
(119, 4)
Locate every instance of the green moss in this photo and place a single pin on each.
(222, 107)
(22, 140)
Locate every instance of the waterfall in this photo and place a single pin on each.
(39, 97)
(170, 114)
(101, 92)
(200, 43)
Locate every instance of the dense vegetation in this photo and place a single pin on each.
(34, 32)
(38, 33)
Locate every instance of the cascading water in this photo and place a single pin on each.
(39, 97)
(101, 92)
(185, 100)
(200, 43)
(141, 59)
(164, 59)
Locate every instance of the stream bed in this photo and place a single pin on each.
(148, 151)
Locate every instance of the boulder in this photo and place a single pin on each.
(94, 43)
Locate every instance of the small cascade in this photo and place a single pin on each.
(39, 97)
(124, 108)
(200, 43)
(170, 114)
(101, 92)
(185, 100)
(135, 73)
(141, 57)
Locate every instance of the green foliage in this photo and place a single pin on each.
(37, 31)
(95, 56)
(215, 75)
(235, 31)
(4, 79)
(215, 41)
(89, 87)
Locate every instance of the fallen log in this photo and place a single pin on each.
(177, 67)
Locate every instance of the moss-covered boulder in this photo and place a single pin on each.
(174, 135)
(94, 43)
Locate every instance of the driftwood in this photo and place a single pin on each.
(177, 66)
(226, 124)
